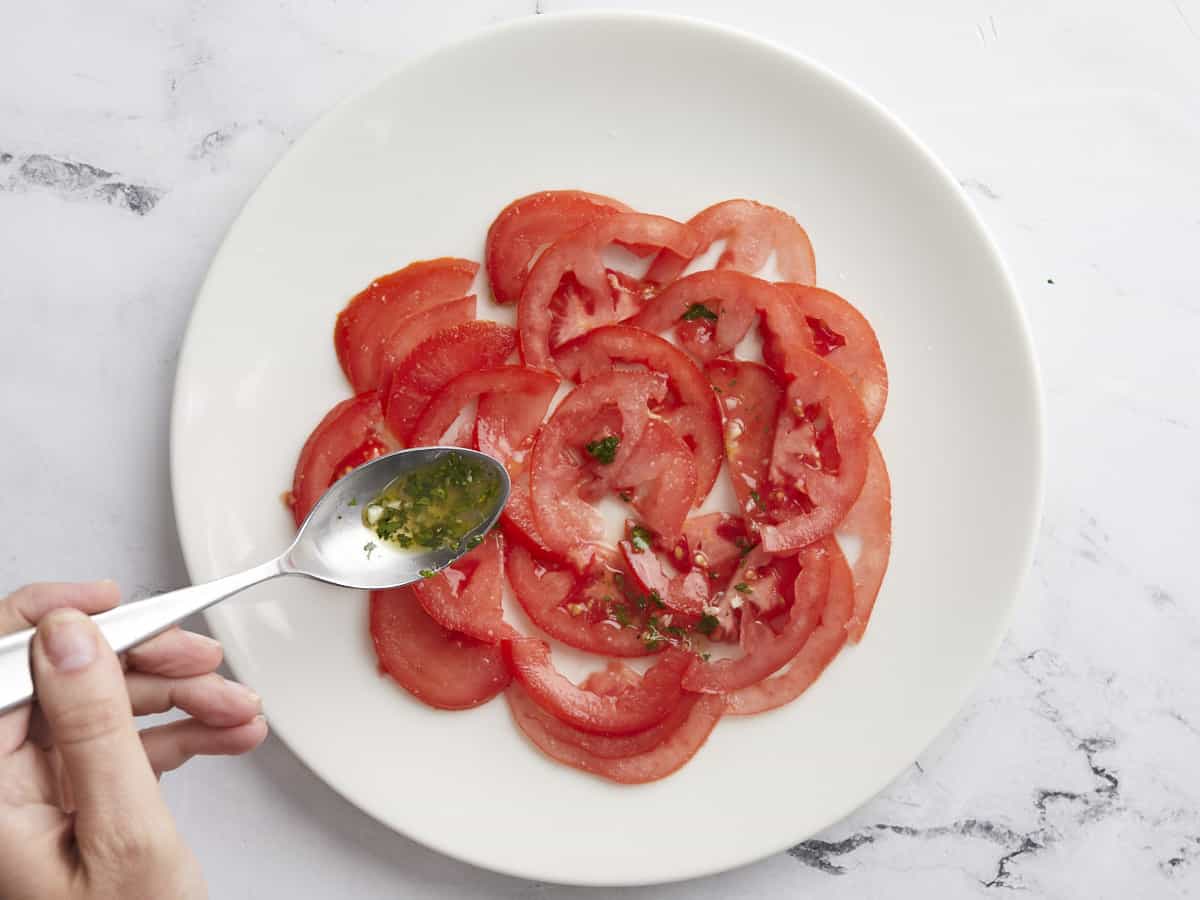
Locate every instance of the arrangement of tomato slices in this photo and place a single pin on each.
(625, 385)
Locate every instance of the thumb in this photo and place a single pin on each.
(81, 692)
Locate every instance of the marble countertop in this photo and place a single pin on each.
(132, 132)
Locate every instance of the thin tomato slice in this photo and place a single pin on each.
(714, 543)
(659, 480)
(466, 597)
(842, 335)
(372, 315)
(435, 362)
(517, 517)
(528, 225)
(690, 409)
(632, 710)
(766, 651)
(750, 398)
(589, 295)
(681, 592)
(818, 651)
(439, 667)
(594, 610)
(751, 231)
(869, 521)
(409, 332)
(350, 434)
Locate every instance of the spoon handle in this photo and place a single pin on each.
(126, 626)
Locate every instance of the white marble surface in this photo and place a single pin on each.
(1075, 128)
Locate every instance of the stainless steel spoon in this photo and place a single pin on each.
(333, 546)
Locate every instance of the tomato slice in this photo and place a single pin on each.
(818, 651)
(528, 225)
(511, 403)
(714, 543)
(594, 610)
(691, 408)
(435, 362)
(870, 521)
(634, 709)
(517, 517)
(372, 315)
(611, 406)
(750, 399)
(439, 667)
(751, 232)
(681, 592)
(349, 435)
(589, 295)
(659, 480)
(818, 461)
(766, 652)
(842, 335)
(413, 329)
(466, 597)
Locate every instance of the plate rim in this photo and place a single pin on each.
(1029, 365)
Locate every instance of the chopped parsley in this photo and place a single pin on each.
(620, 612)
(757, 499)
(707, 624)
(626, 496)
(657, 600)
(604, 450)
(698, 311)
(744, 544)
(742, 588)
(640, 537)
(474, 541)
(427, 573)
(353, 501)
(370, 548)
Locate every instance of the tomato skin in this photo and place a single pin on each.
(686, 592)
(349, 435)
(412, 330)
(750, 399)
(567, 605)
(840, 334)
(466, 597)
(870, 521)
(692, 410)
(630, 711)
(578, 254)
(439, 667)
(529, 224)
(818, 651)
(372, 314)
(517, 517)
(751, 231)
(435, 362)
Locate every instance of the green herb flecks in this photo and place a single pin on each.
(707, 624)
(640, 537)
(370, 548)
(426, 573)
(698, 311)
(742, 588)
(604, 450)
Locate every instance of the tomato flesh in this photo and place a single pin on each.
(466, 597)
(870, 521)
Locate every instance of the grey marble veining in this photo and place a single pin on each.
(130, 135)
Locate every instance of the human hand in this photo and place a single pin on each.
(81, 814)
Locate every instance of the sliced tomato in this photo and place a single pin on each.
(595, 610)
(528, 225)
(349, 435)
(818, 651)
(751, 231)
(612, 679)
(750, 398)
(818, 460)
(517, 516)
(611, 406)
(435, 362)
(714, 544)
(511, 403)
(766, 651)
(466, 597)
(634, 709)
(870, 522)
(659, 480)
(437, 666)
(842, 335)
(571, 273)
(413, 329)
(690, 409)
(681, 592)
(372, 315)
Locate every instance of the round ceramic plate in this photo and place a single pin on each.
(669, 115)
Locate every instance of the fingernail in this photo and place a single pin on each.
(69, 641)
(246, 692)
(206, 640)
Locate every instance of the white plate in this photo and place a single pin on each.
(668, 115)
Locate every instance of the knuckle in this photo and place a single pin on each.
(132, 845)
(87, 722)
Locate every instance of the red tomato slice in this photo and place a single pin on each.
(613, 404)
(511, 403)
(691, 409)
(681, 592)
(842, 335)
(413, 329)
(591, 611)
(350, 434)
(439, 667)
(818, 651)
(766, 651)
(750, 397)
(528, 225)
(818, 461)
(591, 296)
(751, 231)
(659, 478)
(466, 597)
(870, 521)
(634, 709)
(371, 316)
(670, 744)
(517, 517)
(435, 362)
(714, 544)
(612, 679)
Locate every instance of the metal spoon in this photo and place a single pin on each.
(333, 546)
